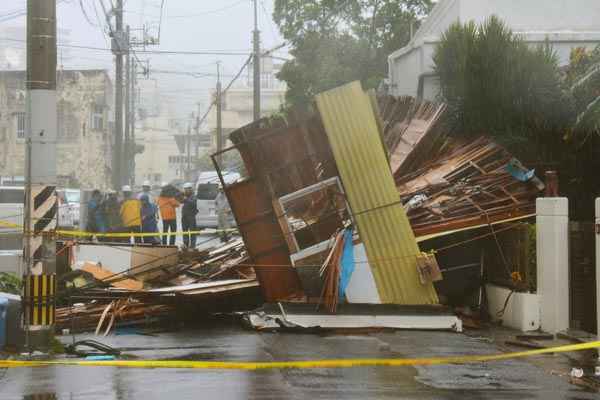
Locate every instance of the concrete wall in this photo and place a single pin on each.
(566, 24)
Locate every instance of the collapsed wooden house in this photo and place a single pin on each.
(302, 184)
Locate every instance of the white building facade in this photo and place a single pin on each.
(566, 24)
(161, 159)
(238, 101)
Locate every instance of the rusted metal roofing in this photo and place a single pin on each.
(351, 127)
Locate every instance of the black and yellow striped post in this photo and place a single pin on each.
(39, 293)
(39, 282)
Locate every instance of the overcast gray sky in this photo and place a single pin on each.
(187, 25)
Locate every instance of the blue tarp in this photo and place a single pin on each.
(519, 172)
(347, 263)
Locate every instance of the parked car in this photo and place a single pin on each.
(207, 189)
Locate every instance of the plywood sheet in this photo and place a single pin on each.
(391, 247)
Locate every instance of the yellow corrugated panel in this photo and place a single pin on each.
(382, 223)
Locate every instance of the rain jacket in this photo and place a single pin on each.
(189, 210)
(112, 213)
(168, 208)
(149, 210)
(96, 220)
(131, 212)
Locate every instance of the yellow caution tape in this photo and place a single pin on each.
(349, 363)
(10, 224)
(122, 234)
(78, 233)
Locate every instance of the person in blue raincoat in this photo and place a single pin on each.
(149, 219)
(96, 219)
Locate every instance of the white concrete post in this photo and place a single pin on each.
(598, 264)
(553, 263)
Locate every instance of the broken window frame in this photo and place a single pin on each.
(289, 230)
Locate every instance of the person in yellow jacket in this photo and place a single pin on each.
(131, 213)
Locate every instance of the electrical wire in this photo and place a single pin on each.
(186, 73)
(19, 13)
(210, 12)
(162, 7)
(270, 19)
(87, 18)
(235, 78)
(157, 52)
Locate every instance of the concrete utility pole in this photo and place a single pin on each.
(118, 48)
(597, 227)
(132, 121)
(219, 101)
(40, 200)
(189, 150)
(197, 135)
(126, 153)
(256, 64)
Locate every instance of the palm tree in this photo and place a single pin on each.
(585, 89)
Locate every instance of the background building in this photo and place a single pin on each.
(161, 160)
(84, 136)
(564, 23)
(238, 104)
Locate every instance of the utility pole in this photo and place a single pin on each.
(118, 48)
(41, 208)
(189, 151)
(132, 121)
(219, 101)
(126, 153)
(256, 64)
(197, 135)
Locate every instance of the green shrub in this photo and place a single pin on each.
(9, 283)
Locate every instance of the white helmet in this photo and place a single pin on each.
(111, 191)
(164, 184)
(146, 183)
(187, 185)
(126, 188)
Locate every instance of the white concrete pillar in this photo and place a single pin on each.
(598, 264)
(553, 263)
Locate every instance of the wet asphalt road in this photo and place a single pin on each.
(504, 380)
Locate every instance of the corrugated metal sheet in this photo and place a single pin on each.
(391, 247)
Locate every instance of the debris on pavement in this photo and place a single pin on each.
(304, 317)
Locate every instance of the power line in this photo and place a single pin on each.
(270, 19)
(87, 17)
(101, 25)
(216, 11)
(214, 102)
(187, 73)
(162, 8)
(20, 12)
(157, 52)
